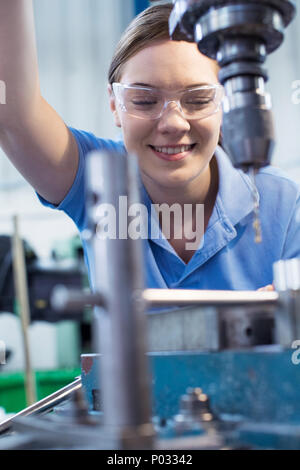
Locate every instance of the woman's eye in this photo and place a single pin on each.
(143, 102)
(198, 98)
(198, 102)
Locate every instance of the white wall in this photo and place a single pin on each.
(284, 69)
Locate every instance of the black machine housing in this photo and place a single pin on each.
(239, 34)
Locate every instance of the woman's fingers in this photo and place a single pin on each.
(269, 287)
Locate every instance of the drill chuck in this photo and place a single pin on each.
(238, 34)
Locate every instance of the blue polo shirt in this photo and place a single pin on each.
(227, 257)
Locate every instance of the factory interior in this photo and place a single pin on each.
(94, 355)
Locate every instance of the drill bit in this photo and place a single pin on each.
(256, 223)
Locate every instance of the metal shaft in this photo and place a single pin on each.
(64, 299)
(21, 289)
(118, 277)
(45, 404)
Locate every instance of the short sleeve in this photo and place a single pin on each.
(74, 202)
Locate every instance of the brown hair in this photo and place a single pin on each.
(149, 26)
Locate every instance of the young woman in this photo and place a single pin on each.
(166, 99)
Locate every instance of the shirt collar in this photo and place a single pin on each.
(236, 194)
(235, 200)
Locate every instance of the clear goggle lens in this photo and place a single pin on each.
(147, 103)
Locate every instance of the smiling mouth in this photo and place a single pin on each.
(180, 149)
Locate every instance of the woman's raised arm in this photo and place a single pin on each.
(32, 135)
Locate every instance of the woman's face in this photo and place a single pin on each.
(169, 66)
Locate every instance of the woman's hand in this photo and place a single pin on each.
(269, 287)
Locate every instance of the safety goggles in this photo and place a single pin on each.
(150, 103)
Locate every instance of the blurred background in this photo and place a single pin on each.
(76, 40)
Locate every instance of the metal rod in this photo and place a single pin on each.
(64, 299)
(43, 405)
(21, 289)
(156, 297)
(117, 275)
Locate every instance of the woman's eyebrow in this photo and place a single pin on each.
(142, 84)
(194, 85)
(199, 84)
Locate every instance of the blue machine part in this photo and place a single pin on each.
(261, 386)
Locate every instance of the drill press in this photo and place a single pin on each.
(239, 35)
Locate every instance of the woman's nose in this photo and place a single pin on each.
(172, 119)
